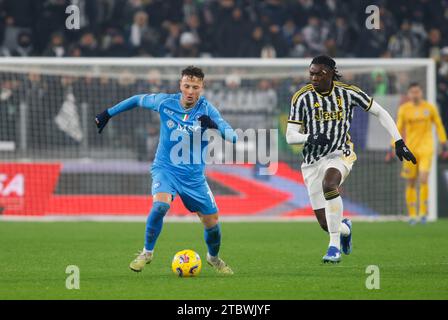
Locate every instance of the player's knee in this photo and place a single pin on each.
(209, 221)
(329, 185)
(159, 210)
(332, 179)
(411, 183)
(424, 178)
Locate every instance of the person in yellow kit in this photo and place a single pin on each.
(415, 122)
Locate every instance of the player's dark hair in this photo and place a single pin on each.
(414, 84)
(192, 71)
(329, 63)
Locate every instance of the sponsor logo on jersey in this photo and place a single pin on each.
(187, 128)
(168, 111)
(329, 115)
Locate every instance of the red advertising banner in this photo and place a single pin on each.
(29, 189)
(26, 188)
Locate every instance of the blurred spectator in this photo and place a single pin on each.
(443, 66)
(380, 82)
(11, 34)
(343, 37)
(222, 27)
(56, 47)
(315, 35)
(142, 36)
(433, 44)
(406, 43)
(189, 45)
(278, 41)
(21, 13)
(372, 43)
(231, 32)
(9, 109)
(275, 10)
(189, 9)
(126, 10)
(193, 24)
(251, 48)
(299, 49)
(51, 19)
(289, 30)
(35, 91)
(301, 10)
(172, 41)
(88, 45)
(442, 85)
(24, 46)
(74, 51)
(118, 47)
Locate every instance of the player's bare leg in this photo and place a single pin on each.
(161, 204)
(411, 200)
(423, 211)
(320, 216)
(212, 235)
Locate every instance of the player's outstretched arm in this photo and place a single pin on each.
(215, 121)
(294, 135)
(388, 123)
(103, 118)
(148, 101)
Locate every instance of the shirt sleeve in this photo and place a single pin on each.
(400, 123)
(147, 101)
(152, 101)
(296, 111)
(360, 98)
(441, 133)
(224, 128)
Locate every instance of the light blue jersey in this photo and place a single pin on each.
(179, 128)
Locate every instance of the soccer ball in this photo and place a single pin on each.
(186, 263)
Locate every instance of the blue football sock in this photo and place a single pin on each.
(213, 239)
(154, 223)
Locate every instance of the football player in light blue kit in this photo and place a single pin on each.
(178, 168)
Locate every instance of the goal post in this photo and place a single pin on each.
(48, 137)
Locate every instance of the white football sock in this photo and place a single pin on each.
(333, 214)
(147, 251)
(212, 258)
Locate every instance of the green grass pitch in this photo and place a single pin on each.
(270, 260)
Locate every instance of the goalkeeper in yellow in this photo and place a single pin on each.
(415, 122)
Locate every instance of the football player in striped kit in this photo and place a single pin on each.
(320, 118)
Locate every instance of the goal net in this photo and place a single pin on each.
(54, 163)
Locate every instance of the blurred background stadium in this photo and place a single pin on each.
(49, 147)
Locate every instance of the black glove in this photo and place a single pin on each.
(403, 152)
(207, 122)
(101, 120)
(318, 139)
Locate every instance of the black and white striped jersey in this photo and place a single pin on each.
(330, 114)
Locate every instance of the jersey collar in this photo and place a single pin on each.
(198, 103)
(325, 94)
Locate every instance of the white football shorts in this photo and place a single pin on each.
(313, 174)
